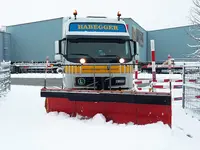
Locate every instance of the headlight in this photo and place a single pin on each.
(121, 60)
(82, 60)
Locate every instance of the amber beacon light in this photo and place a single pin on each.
(75, 13)
(119, 15)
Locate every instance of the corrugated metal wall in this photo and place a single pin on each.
(5, 46)
(172, 41)
(34, 41)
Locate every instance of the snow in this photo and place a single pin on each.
(24, 124)
(54, 75)
(186, 123)
(36, 75)
(159, 76)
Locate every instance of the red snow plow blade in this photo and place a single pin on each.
(120, 107)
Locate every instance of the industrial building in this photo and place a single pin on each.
(35, 41)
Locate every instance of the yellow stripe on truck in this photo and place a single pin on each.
(98, 69)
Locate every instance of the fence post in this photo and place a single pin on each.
(170, 72)
(153, 57)
(9, 78)
(136, 67)
(46, 70)
(183, 96)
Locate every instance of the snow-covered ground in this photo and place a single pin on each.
(36, 75)
(159, 76)
(24, 124)
(54, 75)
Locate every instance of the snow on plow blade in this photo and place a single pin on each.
(120, 107)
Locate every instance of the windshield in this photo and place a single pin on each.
(98, 50)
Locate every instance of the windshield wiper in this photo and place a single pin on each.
(113, 60)
(110, 56)
(84, 55)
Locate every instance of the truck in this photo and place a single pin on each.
(98, 57)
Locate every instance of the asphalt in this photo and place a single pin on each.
(36, 81)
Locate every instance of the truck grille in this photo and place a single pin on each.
(100, 82)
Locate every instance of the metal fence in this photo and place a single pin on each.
(191, 89)
(5, 78)
(40, 67)
(35, 67)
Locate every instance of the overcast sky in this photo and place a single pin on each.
(150, 14)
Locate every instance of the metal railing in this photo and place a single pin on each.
(40, 67)
(5, 78)
(97, 74)
(191, 89)
(33, 67)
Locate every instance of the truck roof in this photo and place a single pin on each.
(96, 19)
(96, 27)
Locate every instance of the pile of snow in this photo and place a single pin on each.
(5, 64)
(24, 124)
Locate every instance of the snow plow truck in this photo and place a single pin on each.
(99, 57)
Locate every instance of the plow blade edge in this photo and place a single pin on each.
(139, 108)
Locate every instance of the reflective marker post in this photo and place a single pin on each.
(45, 79)
(153, 62)
(136, 67)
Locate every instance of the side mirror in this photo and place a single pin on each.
(59, 47)
(57, 56)
(133, 48)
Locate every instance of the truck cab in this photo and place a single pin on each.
(98, 53)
